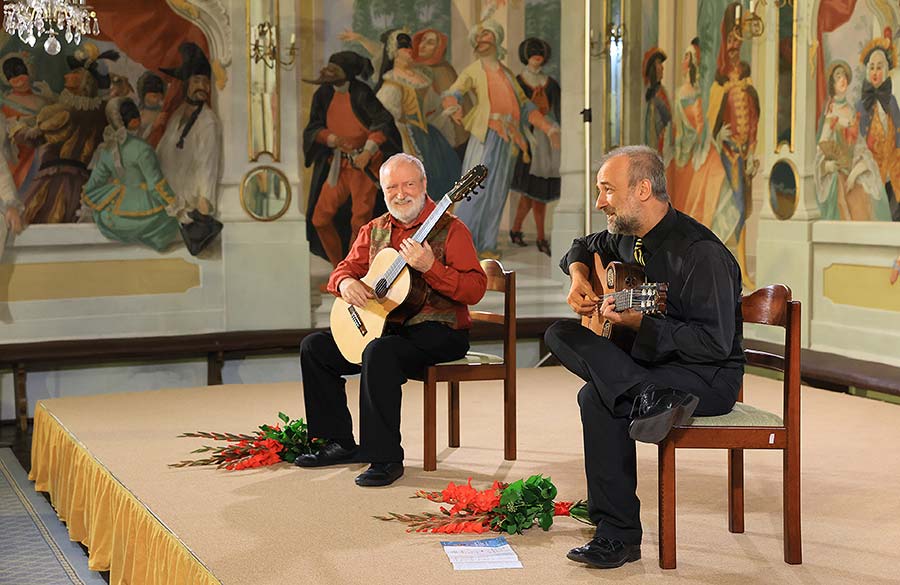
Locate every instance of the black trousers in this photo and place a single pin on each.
(387, 363)
(613, 377)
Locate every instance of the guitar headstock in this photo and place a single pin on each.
(466, 186)
(650, 298)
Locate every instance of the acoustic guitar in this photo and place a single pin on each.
(400, 291)
(627, 284)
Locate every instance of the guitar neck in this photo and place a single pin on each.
(420, 236)
(626, 299)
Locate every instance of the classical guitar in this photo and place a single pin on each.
(399, 290)
(627, 284)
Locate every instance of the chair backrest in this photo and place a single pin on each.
(772, 305)
(502, 281)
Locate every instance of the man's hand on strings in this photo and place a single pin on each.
(355, 292)
(582, 298)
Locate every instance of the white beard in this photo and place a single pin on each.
(410, 215)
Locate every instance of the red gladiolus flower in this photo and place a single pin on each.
(562, 508)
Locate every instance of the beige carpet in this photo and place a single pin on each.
(288, 525)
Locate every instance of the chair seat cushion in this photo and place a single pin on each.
(474, 358)
(742, 415)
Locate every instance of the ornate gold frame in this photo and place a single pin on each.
(276, 122)
(287, 198)
(790, 144)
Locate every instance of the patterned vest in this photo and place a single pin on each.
(437, 307)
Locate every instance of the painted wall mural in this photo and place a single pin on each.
(83, 145)
(452, 116)
(858, 145)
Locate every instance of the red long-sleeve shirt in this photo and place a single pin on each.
(459, 278)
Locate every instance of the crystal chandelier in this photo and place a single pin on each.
(30, 19)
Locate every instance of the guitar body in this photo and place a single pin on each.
(355, 327)
(607, 279)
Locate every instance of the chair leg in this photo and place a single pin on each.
(793, 546)
(430, 422)
(453, 412)
(21, 395)
(666, 480)
(736, 490)
(509, 418)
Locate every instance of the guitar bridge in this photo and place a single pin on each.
(357, 320)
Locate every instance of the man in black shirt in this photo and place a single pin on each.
(693, 352)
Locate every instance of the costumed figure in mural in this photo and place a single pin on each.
(151, 90)
(21, 105)
(70, 130)
(190, 149)
(127, 192)
(657, 111)
(538, 181)
(879, 115)
(734, 117)
(406, 91)
(695, 175)
(10, 206)
(429, 49)
(348, 135)
(119, 86)
(496, 127)
(848, 182)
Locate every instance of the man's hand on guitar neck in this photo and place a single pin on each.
(627, 318)
(418, 256)
(356, 293)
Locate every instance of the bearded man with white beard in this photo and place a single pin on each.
(438, 333)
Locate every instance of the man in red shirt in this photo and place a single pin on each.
(438, 333)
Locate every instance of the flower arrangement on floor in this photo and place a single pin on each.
(267, 446)
(503, 507)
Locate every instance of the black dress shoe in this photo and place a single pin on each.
(656, 410)
(379, 474)
(330, 454)
(605, 553)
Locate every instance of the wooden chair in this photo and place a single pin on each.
(746, 427)
(478, 366)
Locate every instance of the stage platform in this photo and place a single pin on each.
(103, 459)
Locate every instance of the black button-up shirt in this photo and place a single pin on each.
(702, 329)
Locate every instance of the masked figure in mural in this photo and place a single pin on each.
(695, 175)
(21, 105)
(657, 111)
(70, 131)
(189, 151)
(406, 92)
(734, 117)
(151, 90)
(130, 199)
(879, 116)
(348, 136)
(10, 206)
(496, 126)
(429, 49)
(848, 183)
(538, 180)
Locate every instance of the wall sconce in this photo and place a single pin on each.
(615, 34)
(265, 47)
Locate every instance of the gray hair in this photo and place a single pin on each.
(643, 163)
(401, 157)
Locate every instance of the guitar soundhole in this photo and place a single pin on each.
(381, 288)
